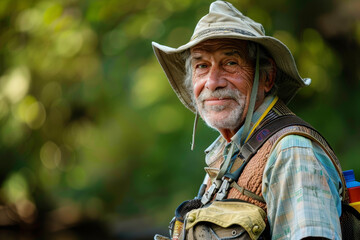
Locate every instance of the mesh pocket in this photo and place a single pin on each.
(350, 222)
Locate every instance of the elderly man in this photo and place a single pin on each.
(269, 174)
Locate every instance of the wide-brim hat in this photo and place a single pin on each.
(225, 21)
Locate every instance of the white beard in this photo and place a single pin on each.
(231, 114)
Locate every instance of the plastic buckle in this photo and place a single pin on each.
(210, 192)
(224, 189)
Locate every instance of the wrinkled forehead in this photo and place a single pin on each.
(213, 45)
(227, 45)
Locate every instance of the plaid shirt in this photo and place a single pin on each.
(300, 186)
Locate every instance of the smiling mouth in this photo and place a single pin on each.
(218, 101)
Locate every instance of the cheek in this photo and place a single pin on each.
(243, 82)
(197, 87)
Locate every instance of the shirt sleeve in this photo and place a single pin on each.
(301, 188)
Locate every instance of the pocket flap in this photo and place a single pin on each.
(225, 214)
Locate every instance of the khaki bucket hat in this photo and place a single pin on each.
(225, 21)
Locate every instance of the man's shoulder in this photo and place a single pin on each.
(300, 148)
(291, 145)
(292, 141)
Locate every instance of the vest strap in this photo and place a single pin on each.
(247, 192)
(261, 136)
(268, 130)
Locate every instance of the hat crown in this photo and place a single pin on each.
(224, 15)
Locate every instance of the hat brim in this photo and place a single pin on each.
(172, 61)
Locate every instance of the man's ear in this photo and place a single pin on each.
(270, 78)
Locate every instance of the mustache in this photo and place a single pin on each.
(220, 93)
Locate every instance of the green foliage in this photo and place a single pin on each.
(90, 128)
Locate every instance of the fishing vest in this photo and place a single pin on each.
(242, 213)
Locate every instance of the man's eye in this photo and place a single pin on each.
(231, 63)
(201, 66)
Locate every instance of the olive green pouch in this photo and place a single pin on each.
(225, 220)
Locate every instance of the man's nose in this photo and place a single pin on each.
(215, 79)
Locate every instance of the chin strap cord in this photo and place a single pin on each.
(194, 130)
(253, 96)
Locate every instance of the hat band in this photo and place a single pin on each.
(222, 30)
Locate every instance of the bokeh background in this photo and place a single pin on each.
(94, 143)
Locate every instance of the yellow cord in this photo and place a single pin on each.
(262, 117)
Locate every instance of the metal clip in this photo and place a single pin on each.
(224, 189)
(210, 192)
(171, 226)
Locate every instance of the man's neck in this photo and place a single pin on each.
(228, 133)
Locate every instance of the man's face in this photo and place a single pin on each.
(222, 81)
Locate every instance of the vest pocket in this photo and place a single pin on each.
(214, 232)
(225, 220)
